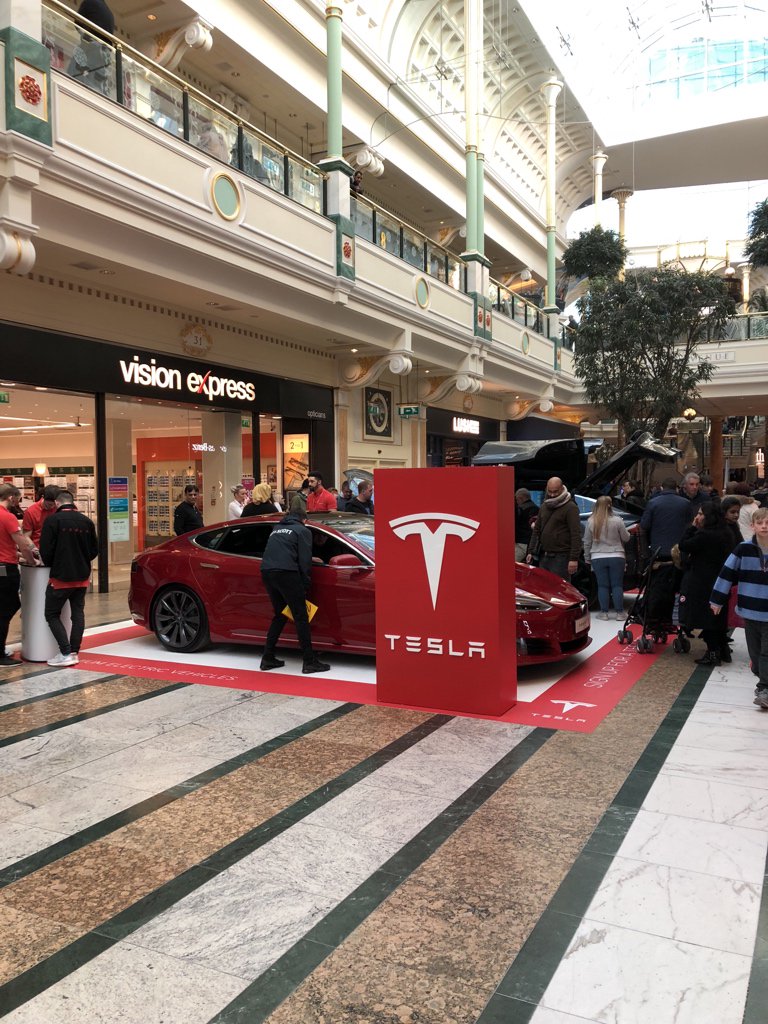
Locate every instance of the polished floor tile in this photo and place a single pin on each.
(710, 848)
(720, 913)
(131, 985)
(619, 976)
(722, 802)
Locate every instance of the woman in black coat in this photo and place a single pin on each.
(705, 546)
(261, 503)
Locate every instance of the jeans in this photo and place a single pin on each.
(609, 573)
(286, 588)
(9, 601)
(558, 564)
(757, 646)
(55, 599)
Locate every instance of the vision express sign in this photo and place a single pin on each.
(35, 357)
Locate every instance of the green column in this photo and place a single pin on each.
(471, 200)
(480, 201)
(333, 21)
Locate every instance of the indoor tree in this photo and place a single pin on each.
(595, 253)
(756, 248)
(638, 340)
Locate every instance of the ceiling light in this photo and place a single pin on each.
(151, 17)
(213, 303)
(107, 272)
(41, 389)
(6, 384)
(353, 350)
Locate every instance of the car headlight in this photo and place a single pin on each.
(525, 602)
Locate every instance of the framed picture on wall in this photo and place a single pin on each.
(377, 414)
(272, 476)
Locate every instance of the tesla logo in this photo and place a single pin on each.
(569, 705)
(433, 540)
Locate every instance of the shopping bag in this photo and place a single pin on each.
(311, 610)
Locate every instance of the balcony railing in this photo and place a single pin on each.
(115, 70)
(747, 327)
(528, 314)
(395, 236)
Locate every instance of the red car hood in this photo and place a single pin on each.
(546, 585)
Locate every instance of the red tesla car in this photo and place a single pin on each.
(204, 586)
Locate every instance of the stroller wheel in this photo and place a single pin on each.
(624, 636)
(677, 645)
(644, 645)
(685, 645)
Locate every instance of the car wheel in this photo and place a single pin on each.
(179, 620)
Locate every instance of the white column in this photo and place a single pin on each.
(223, 465)
(598, 163)
(24, 15)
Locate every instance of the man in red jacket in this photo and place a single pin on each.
(319, 500)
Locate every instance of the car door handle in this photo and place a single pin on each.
(208, 565)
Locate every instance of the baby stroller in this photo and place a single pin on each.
(653, 609)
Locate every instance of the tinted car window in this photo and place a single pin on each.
(325, 546)
(247, 539)
(210, 539)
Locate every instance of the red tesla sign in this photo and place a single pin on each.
(445, 588)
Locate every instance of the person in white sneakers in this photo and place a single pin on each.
(68, 544)
(604, 539)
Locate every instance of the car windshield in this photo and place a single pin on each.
(358, 529)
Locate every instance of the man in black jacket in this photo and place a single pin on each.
(362, 504)
(68, 545)
(186, 515)
(285, 570)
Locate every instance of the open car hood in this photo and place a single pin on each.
(643, 446)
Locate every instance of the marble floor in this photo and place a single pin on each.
(177, 853)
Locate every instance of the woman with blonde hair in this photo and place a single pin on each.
(604, 540)
(261, 503)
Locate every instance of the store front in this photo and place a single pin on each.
(126, 430)
(453, 439)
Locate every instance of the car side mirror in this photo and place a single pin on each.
(345, 562)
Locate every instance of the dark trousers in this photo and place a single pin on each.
(285, 588)
(757, 647)
(9, 601)
(54, 604)
(558, 564)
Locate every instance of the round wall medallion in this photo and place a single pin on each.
(225, 197)
(422, 292)
(526, 343)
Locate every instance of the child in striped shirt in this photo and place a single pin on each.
(747, 568)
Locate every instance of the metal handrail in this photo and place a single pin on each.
(141, 58)
(379, 211)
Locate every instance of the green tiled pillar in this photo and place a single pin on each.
(25, 127)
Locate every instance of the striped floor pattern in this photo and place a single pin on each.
(184, 854)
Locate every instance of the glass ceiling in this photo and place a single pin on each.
(654, 67)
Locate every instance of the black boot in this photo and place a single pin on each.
(709, 658)
(725, 654)
(270, 661)
(314, 664)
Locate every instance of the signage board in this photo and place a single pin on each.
(118, 502)
(445, 589)
(5, 398)
(408, 410)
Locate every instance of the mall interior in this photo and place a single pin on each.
(196, 290)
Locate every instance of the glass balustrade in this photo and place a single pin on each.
(126, 76)
(519, 309)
